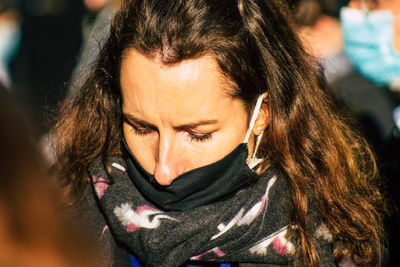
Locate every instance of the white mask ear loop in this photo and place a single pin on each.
(253, 160)
(258, 141)
(254, 117)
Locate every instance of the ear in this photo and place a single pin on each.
(262, 120)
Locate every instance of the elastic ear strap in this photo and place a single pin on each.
(254, 117)
(258, 141)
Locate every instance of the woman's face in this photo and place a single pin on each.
(178, 117)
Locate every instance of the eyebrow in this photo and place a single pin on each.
(187, 126)
(133, 120)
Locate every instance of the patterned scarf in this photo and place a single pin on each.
(249, 227)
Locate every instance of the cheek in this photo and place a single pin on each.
(194, 154)
(222, 143)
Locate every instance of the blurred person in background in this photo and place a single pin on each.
(10, 36)
(319, 29)
(33, 229)
(96, 27)
(95, 31)
(372, 105)
(372, 33)
(371, 30)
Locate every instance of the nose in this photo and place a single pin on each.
(169, 163)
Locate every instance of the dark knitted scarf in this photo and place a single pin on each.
(249, 227)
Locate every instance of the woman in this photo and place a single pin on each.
(167, 132)
(95, 28)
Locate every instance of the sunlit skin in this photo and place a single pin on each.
(180, 117)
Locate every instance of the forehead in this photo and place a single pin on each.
(184, 70)
(187, 86)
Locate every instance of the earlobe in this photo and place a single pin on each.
(262, 120)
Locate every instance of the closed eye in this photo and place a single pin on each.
(199, 137)
(141, 130)
(140, 127)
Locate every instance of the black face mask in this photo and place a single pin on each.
(194, 188)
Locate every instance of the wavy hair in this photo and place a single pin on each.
(257, 49)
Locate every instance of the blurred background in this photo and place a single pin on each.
(41, 44)
(42, 40)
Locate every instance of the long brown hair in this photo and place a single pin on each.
(257, 49)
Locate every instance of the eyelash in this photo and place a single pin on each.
(140, 130)
(200, 138)
(193, 137)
